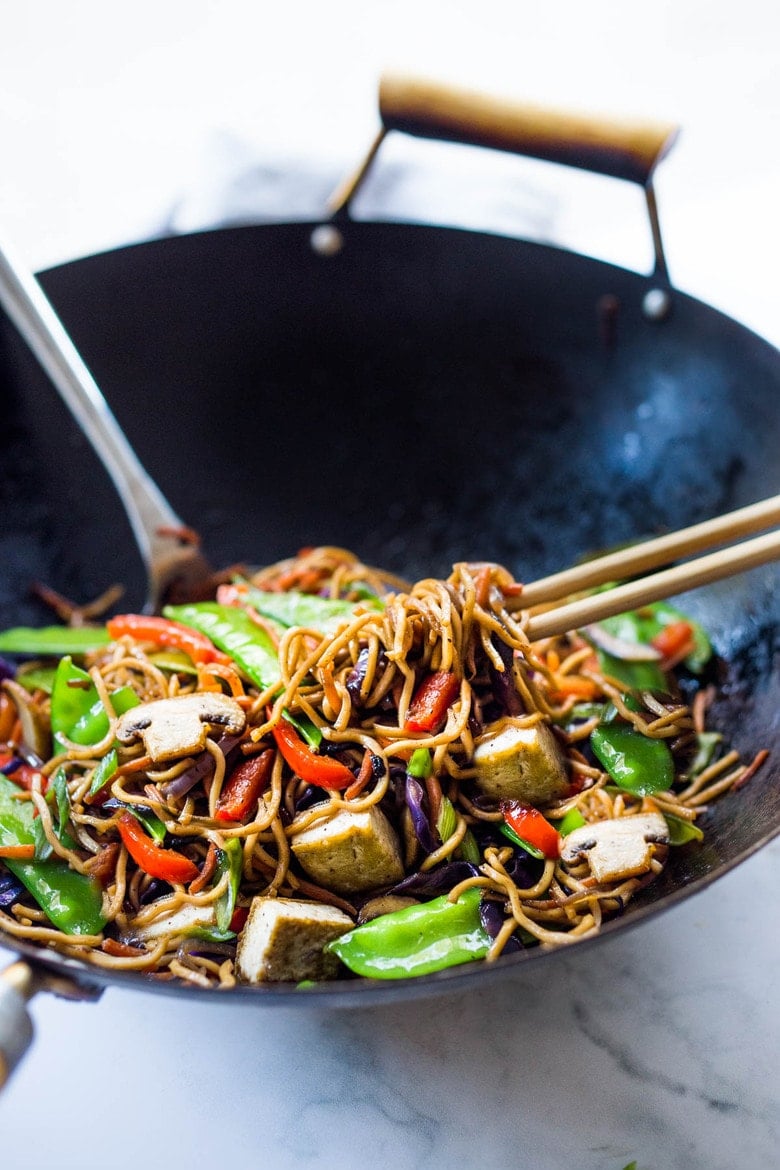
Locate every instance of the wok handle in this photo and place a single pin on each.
(17, 984)
(621, 148)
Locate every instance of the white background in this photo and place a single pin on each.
(118, 121)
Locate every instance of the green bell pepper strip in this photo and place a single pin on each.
(417, 940)
(324, 614)
(570, 821)
(232, 630)
(77, 712)
(421, 764)
(72, 901)
(521, 842)
(468, 850)
(636, 763)
(230, 860)
(53, 640)
(103, 772)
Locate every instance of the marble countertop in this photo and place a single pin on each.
(658, 1046)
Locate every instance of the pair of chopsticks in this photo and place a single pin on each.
(643, 558)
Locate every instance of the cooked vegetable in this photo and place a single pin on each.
(416, 941)
(432, 701)
(243, 779)
(635, 762)
(320, 770)
(72, 901)
(166, 864)
(531, 827)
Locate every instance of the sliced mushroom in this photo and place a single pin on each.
(172, 728)
(36, 734)
(618, 848)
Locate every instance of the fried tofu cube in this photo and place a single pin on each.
(521, 763)
(283, 941)
(350, 852)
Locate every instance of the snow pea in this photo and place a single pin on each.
(77, 712)
(416, 940)
(324, 614)
(53, 640)
(72, 901)
(635, 762)
(232, 630)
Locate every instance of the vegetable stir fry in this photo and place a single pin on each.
(324, 772)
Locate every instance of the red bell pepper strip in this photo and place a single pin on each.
(165, 864)
(164, 632)
(238, 921)
(24, 774)
(534, 828)
(674, 641)
(323, 771)
(240, 794)
(431, 701)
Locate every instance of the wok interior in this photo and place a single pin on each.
(423, 396)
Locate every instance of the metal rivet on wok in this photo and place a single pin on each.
(327, 240)
(656, 304)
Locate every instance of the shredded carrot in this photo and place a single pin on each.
(325, 674)
(7, 717)
(574, 685)
(17, 852)
(207, 871)
(482, 586)
(752, 768)
(228, 673)
(140, 764)
(362, 778)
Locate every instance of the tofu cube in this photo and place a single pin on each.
(350, 852)
(283, 941)
(617, 849)
(521, 763)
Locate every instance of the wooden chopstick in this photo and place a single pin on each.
(649, 554)
(724, 563)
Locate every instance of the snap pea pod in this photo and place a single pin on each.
(234, 632)
(417, 940)
(77, 711)
(53, 640)
(635, 762)
(72, 901)
(324, 614)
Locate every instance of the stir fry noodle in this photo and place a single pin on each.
(325, 772)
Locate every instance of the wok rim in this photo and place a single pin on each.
(352, 992)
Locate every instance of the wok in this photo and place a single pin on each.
(422, 395)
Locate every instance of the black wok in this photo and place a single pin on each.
(421, 395)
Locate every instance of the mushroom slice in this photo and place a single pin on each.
(35, 731)
(618, 848)
(171, 728)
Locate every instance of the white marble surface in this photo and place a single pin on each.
(659, 1046)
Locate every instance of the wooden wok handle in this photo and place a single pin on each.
(17, 984)
(624, 149)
